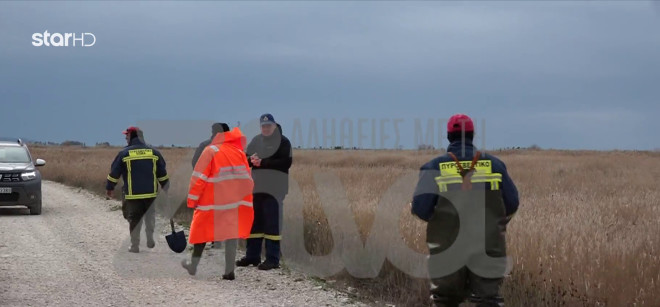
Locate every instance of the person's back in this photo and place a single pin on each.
(467, 197)
(143, 168)
(445, 166)
(142, 162)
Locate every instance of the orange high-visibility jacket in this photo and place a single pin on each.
(221, 191)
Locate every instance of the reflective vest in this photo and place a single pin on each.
(221, 191)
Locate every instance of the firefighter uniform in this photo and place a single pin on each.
(142, 169)
(270, 189)
(465, 178)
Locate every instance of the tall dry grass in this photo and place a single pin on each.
(585, 234)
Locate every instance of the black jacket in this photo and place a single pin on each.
(272, 176)
(199, 150)
(142, 168)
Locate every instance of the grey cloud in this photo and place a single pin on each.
(491, 59)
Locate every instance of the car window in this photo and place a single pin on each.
(14, 155)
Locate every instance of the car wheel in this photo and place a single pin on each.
(36, 208)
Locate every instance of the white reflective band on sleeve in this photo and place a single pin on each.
(215, 148)
(200, 175)
(193, 197)
(224, 207)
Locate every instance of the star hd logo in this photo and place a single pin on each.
(63, 39)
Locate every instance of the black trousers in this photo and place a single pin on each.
(136, 211)
(266, 227)
(453, 289)
(443, 229)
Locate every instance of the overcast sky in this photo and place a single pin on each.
(565, 74)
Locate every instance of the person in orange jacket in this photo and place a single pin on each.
(221, 194)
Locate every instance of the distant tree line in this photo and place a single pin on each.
(419, 147)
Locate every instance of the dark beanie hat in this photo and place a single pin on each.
(219, 127)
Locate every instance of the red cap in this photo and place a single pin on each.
(458, 122)
(131, 129)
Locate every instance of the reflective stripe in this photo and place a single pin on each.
(256, 235)
(155, 158)
(130, 182)
(449, 180)
(443, 187)
(493, 179)
(224, 207)
(231, 168)
(215, 148)
(113, 179)
(222, 177)
(200, 175)
(141, 196)
(193, 197)
(433, 245)
(475, 178)
(228, 177)
(273, 237)
(154, 173)
(240, 170)
(164, 178)
(141, 152)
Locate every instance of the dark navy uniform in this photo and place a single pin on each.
(440, 192)
(142, 169)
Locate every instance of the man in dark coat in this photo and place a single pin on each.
(215, 129)
(270, 157)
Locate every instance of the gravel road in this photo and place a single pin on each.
(75, 253)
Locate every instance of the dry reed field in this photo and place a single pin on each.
(585, 233)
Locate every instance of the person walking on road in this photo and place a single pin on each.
(270, 158)
(467, 181)
(215, 129)
(142, 169)
(221, 194)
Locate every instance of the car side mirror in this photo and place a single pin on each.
(40, 162)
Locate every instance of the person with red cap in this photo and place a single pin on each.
(464, 195)
(142, 169)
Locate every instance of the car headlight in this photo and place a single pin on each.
(29, 175)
